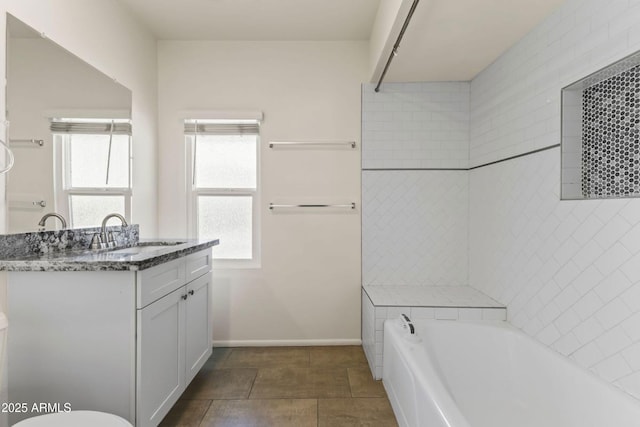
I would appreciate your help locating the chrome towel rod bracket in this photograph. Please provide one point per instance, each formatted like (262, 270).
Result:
(39, 142)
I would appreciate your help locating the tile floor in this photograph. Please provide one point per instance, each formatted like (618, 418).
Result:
(283, 386)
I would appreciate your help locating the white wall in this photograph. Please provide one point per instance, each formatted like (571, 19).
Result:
(415, 126)
(567, 270)
(43, 78)
(414, 227)
(308, 287)
(415, 151)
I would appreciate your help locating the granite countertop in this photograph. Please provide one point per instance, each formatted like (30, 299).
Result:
(128, 258)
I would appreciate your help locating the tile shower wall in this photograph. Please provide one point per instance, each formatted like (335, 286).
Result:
(414, 222)
(569, 271)
(414, 228)
(415, 125)
(611, 113)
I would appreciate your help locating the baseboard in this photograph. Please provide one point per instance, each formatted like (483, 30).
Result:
(283, 343)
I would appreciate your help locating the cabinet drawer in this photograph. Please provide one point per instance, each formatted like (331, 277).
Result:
(198, 264)
(158, 281)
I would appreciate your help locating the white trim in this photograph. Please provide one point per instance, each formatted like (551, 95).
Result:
(285, 343)
(220, 115)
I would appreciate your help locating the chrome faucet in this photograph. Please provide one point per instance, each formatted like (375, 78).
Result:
(102, 240)
(55, 215)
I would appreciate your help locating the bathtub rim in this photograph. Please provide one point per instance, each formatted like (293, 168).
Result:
(609, 392)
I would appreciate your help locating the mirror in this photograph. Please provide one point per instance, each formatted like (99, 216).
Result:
(45, 81)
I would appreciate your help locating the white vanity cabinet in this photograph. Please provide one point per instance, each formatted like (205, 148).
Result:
(174, 342)
(123, 342)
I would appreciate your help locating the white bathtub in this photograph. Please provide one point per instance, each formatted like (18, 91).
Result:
(485, 374)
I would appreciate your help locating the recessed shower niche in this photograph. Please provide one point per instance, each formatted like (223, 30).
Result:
(601, 133)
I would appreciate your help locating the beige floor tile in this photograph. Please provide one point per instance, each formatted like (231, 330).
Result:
(186, 413)
(301, 383)
(221, 384)
(218, 357)
(340, 356)
(363, 385)
(262, 413)
(261, 357)
(375, 412)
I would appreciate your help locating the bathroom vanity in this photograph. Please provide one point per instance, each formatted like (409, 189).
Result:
(121, 331)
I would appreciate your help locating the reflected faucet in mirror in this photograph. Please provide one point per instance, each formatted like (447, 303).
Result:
(55, 215)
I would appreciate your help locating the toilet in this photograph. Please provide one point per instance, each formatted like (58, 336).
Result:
(75, 419)
(59, 419)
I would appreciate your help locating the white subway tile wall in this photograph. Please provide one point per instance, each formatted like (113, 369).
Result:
(568, 271)
(414, 228)
(415, 125)
(568, 279)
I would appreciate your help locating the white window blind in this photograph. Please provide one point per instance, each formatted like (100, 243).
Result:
(91, 126)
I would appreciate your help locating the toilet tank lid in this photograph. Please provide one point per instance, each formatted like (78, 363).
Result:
(3, 321)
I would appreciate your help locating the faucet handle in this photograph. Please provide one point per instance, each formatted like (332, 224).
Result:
(96, 242)
(111, 241)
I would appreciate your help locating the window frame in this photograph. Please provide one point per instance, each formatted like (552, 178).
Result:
(194, 193)
(62, 182)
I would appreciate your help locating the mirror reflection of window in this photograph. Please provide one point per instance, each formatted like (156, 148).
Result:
(93, 169)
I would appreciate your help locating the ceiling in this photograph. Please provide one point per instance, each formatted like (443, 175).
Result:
(456, 39)
(257, 19)
(446, 39)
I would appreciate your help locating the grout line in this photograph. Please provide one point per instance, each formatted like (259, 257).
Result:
(538, 150)
(349, 381)
(252, 384)
(205, 413)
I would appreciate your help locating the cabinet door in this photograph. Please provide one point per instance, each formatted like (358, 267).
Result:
(160, 348)
(198, 325)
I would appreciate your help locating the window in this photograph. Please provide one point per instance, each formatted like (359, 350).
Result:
(93, 169)
(223, 176)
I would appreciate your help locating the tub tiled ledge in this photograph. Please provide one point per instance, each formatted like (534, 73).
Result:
(419, 302)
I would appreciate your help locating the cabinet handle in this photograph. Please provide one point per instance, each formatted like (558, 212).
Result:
(185, 296)
(191, 292)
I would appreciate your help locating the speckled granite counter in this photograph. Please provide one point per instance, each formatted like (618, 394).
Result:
(103, 260)
(67, 250)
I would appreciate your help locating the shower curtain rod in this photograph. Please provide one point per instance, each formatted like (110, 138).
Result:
(394, 51)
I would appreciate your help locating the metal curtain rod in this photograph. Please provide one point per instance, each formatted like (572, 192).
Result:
(394, 52)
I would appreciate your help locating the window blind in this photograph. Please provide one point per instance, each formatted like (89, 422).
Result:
(90, 127)
(244, 127)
